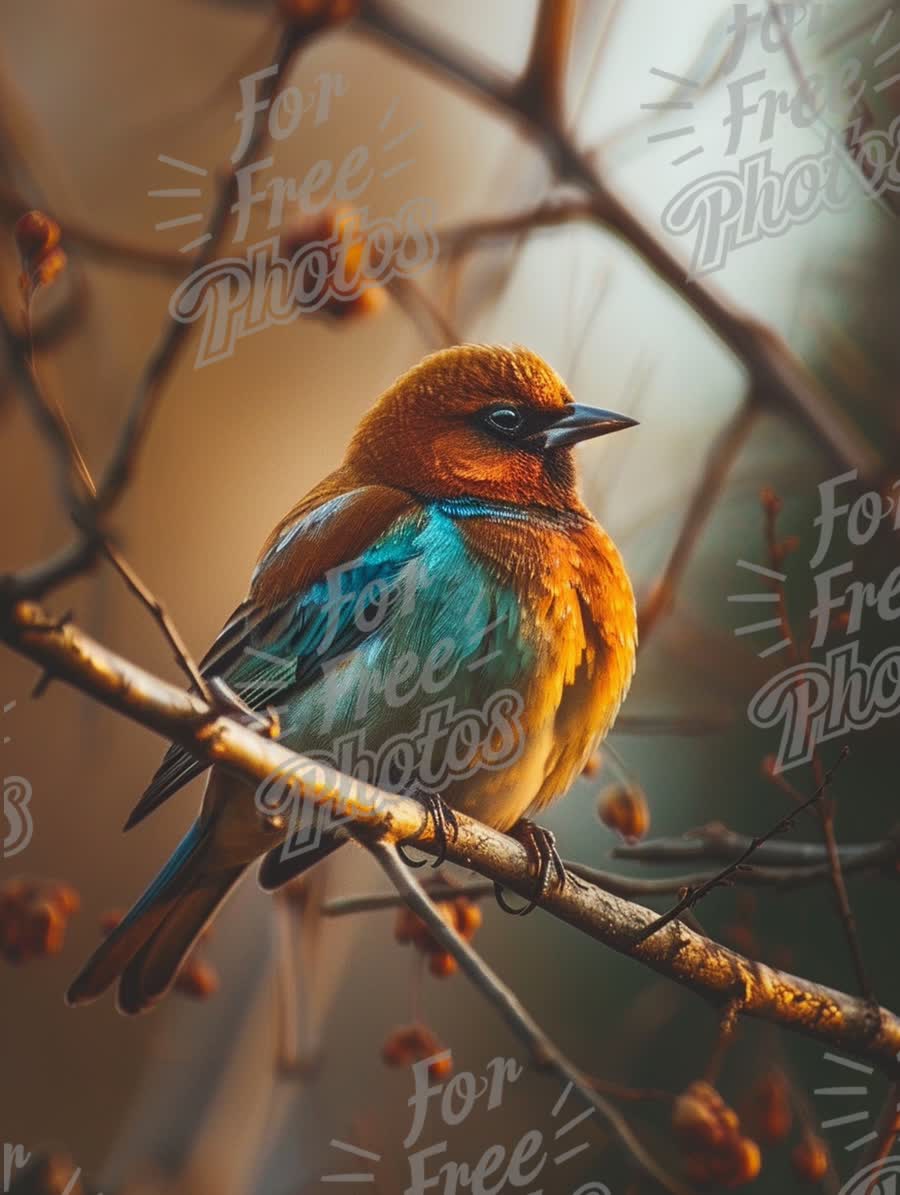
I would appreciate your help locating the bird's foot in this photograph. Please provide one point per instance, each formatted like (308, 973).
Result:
(446, 827)
(540, 845)
(233, 706)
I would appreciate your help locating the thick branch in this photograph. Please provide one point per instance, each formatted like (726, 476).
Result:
(705, 967)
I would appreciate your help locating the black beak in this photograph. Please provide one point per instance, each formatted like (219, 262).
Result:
(584, 423)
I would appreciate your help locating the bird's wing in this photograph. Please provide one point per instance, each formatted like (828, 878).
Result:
(290, 627)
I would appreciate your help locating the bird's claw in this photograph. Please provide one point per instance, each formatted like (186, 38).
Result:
(446, 827)
(541, 847)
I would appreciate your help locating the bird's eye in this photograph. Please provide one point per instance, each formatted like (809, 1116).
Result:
(508, 421)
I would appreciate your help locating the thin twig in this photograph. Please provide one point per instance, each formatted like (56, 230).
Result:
(80, 490)
(545, 1054)
(719, 462)
(825, 808)
(715, 843)
(98, 244)
(175, 334)
(845, 911)
(456, 240)
(161, 617)
(690, 899)
(779, 878)
(416, 302)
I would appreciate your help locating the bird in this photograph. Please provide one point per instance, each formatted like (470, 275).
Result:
(442, 616)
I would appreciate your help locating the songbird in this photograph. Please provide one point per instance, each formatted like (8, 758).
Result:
(442, 615)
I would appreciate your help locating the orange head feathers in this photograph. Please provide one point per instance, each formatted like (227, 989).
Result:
(478, 421)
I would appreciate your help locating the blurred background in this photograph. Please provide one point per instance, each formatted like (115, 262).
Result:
(190, 1098)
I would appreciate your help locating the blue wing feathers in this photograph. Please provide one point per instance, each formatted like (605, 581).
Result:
(420, 567)
(268, 657)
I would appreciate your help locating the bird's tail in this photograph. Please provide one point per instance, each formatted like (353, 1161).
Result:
(149, 945)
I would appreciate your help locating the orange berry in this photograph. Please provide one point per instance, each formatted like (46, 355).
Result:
(67, 898)
(197, 979)
(749, 1163)
(34, 915)
(461, 914)
(770, 500)
(368, 302)
(36, 233)
(441, 1068)
(313, 15)
(49, 928)
(810, 1159)
(770, 1107)
(353, 289)
(409, 1043)
(442, 965)
(393, 1051)
(709, 1132)
(407, 927)
(37, 239)
(468, 917)
(46, 270)
(696, 1114)
(109, 921)
(769, 766)
(623, 807)
(592, 765)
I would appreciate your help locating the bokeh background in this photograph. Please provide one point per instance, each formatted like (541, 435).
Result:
(188, 1099)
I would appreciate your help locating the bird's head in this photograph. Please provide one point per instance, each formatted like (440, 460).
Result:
(479, 421)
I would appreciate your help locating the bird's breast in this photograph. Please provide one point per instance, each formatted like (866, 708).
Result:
(486, 661)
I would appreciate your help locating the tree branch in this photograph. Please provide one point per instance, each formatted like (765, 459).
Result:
(776, 374)
(701, 965)
(715, 843)
(541, 90)
(120, 468)
(545, 1054)
(693, 896)
(719, 461)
